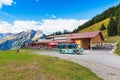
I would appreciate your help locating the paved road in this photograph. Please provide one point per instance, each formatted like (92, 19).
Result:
(99, 56)
(103, 57)
(101, 62)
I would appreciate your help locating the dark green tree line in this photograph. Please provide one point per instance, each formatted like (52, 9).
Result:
(112, 27)
(112, 11)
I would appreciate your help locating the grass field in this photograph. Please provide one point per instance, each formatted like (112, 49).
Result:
(118, 49)
(25, 66)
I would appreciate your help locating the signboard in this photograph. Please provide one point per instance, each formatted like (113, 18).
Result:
(53, 43)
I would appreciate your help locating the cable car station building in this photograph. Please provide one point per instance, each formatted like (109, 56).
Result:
(86, 40)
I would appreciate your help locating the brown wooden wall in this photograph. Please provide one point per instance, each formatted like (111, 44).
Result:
(96, 39)
(86, 43)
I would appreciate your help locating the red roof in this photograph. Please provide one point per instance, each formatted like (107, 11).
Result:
(79, 35)
(72, 36)
(86, 35)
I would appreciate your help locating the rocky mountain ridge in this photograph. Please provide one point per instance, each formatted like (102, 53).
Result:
(17, 40)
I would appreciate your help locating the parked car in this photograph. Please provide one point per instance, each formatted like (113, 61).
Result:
(69, 49)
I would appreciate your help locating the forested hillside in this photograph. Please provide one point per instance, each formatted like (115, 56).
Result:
(113, 12)
(108, 22)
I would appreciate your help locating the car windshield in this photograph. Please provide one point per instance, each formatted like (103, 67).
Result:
(61, 46)
(70, 46)
(65, 46)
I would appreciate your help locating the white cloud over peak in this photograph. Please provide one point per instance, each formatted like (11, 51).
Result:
(46, 25)
(5, 2)
(49, 25)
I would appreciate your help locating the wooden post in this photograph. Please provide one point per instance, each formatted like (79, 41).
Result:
(90, 44)
(101, 44)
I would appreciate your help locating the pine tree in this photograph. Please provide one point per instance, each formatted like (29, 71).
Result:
(75, 31)
(66, 32)
(112, 27)
(117, 15)
(118, 27)
(102, 27)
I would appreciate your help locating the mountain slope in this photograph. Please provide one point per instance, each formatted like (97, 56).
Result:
(20, 39)
(112, 11)
(4, 35)
(95, 23)
(96, 27)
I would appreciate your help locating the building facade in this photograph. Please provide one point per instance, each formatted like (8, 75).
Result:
(86, 40)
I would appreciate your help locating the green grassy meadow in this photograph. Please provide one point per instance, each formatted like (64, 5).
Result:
(118, 49)
(26, 66)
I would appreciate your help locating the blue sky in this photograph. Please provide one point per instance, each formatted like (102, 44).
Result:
(41, 10)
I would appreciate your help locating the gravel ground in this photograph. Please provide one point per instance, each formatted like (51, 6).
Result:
(101, 62)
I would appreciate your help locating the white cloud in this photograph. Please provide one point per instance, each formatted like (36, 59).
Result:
(46, 25)
(14, 3)
(5, 2)
(49, 25)
(53, 16)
